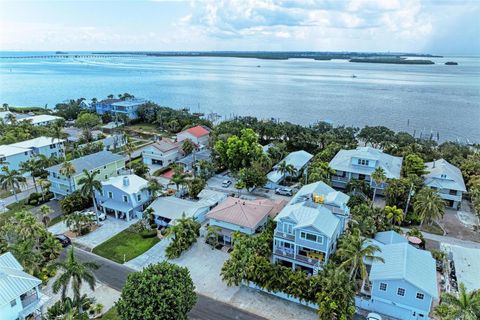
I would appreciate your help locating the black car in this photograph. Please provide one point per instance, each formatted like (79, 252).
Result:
(63, 239)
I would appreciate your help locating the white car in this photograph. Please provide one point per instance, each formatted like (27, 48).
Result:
(373, 316)
(226, 183)
(101, 215)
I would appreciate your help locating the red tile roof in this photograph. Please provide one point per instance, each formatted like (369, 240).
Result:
(198, 131)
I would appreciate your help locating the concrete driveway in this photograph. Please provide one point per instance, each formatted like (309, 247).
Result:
(107, 230)
(205, 265)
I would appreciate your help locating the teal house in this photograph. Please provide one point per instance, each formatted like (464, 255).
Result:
(404, 285)
(309, 226)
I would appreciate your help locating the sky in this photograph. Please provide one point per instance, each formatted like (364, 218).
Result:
(423, 26)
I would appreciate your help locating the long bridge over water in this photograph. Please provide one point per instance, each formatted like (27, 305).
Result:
(67, 56)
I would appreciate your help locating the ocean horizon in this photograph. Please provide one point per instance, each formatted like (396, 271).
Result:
(432, 99)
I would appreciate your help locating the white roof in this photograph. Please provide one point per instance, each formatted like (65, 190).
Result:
(173, 208)
(467, 266)
(332, 196)
(8, 150)
(36, 143)
(320, 218)
(453, 176)
(41, 118)
(13, 280)
(135, 183)
(211, 197)
(298, 159)
(343, 161)
(402, 261)
(4, 114)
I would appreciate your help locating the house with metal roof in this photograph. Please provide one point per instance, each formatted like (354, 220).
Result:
(16, 153)
(162, 153)
(109, 143)
(360, 163)
(169, 209)
(245, 216)
(298, 159)
(309, 226)
(190, 161)
(447, 180)
(198, 135)
(123, 196)
(108, 165)
(42, 119)
(117, 107)
(20, 295)
(404, 285)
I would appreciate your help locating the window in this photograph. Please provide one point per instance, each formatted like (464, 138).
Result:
(401, 292)
(13, 303)
(287, 228)
(106, 177)
(104, 167)
(443, 176)
(125, 199)
(110, 195)
(383, 286)
(453, 192)
(101, 192)
(139, 197)
(420, 296)
(311, 237)
(362, 162)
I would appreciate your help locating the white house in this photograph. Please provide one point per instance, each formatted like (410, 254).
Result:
(42, 119)
(298, 159)
(169, 209)
(198, 135)
(20, 295)
(16, 153)
(360, 163)
(161, 153)
(123, 196)
(447, 180)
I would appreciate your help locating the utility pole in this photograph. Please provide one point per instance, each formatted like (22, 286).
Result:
(410, 194)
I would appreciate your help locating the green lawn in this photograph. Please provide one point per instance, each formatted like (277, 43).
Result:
(55, 220)
(147, 127)
(126, 244)
(111, 314)
(434, 228)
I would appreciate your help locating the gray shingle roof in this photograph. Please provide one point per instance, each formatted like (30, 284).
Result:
(91, 161)
(13, 280)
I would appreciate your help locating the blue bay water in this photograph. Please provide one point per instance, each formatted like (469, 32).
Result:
(429, 98)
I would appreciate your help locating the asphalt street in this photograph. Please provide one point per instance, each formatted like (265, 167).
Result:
(115, 275)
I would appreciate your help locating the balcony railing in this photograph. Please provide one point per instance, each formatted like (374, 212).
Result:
(29, 299)
(284, 235)
(307, 260)
(285, 252)
(338, 178)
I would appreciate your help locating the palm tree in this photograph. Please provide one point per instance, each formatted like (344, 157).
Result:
(320, 171)
(212, 235)
(428, 205)
(75, 221)
(286, 169)
(129, 150)
(89, 186)
(179, 177)
(394, 214)
(45, 211)
(155, 187)
(68, 170)
(12, 180)
(354, 249)
(30, 166)
(465, 306)
(379, 177)
(74, 272)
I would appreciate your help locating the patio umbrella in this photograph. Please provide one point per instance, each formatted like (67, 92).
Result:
(414, 240)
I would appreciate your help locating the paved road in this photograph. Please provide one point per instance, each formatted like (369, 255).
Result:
(115, 275)
(449, 240)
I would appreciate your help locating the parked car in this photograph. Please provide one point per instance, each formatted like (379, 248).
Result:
(284, 191)
(63, 239)
(101, 216)
(226, 183)
(373, 316)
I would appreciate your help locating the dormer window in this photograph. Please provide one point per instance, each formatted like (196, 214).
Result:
(363, 162)
(443, 176)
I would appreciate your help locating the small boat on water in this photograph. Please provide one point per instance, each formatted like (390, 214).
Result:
(354, 76)
(258, 66)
